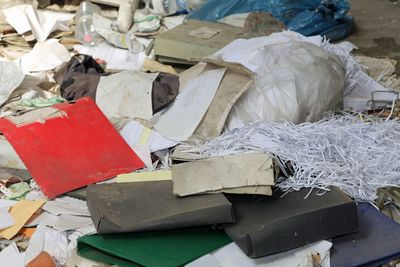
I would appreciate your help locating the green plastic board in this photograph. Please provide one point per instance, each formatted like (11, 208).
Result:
(152, 249)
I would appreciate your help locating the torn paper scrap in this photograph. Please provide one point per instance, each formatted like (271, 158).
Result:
(11, 76)
(181, 154)
(115, 58)
(67, 205)
(134, 133)
(5, 218)
(155, 66)
(21, 212)
(44, 219)
(143, 152)
(70, 222)
(24, 18)
(11, 257)
(128, 40)
(180, 120)
(49, 240)
(234, 84)
(232, 256)
(219, 173)
(161, 175)
(45, 56)
(39, 115)
(126, 94)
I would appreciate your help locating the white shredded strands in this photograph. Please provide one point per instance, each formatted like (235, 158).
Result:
(354, 155)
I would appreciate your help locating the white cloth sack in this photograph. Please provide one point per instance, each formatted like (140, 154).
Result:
(296, 81)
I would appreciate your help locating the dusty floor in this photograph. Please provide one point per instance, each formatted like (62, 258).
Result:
(377, 32)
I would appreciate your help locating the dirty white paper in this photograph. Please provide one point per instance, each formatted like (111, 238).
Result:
(126, 94)
(6, 220)
(116, 58)
(11, 257)
(8, 156)
(24, 18)
(49, 240)
(180, 120)
(44, 219)
(45, 56)
(70, 222)
(128, 40)
(219, 173)
(134, 133)
(231, 256)
(67, 205)
(11, 76)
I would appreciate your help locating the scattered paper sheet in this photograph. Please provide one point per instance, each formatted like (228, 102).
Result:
(232, 256)
(143, 152)
(70, 222)
(21, 212)
(24, 18)
(155, 66)
(44, 219)
(180, 120)
(67, 205)
(126, 94)
(5, 218)
(173, 21)
(181, 154)
(49, 240)
(161, 175)
(219, 173)
(8, 157)
(235, 83)
(104, 27)
(134, 133)
(116, 58)
(45, 56)
(11, 257)
(11, 76)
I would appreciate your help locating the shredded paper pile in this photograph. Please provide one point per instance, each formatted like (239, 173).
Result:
(355, 155)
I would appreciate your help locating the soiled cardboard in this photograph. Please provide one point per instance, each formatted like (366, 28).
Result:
(21, 212)
(241, 173)
(269, 225)
(193, 39)
(148, 206)
(236, 81)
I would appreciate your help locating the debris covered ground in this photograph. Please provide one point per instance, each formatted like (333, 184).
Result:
(198, 133)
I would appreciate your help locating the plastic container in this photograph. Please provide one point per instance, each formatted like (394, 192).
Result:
(85, 32)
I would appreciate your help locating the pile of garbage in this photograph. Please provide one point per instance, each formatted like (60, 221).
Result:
(194, 133)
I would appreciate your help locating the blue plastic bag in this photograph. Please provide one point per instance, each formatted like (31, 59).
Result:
(308, 17)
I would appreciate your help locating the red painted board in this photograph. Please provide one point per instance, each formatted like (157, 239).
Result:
(70, 152)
